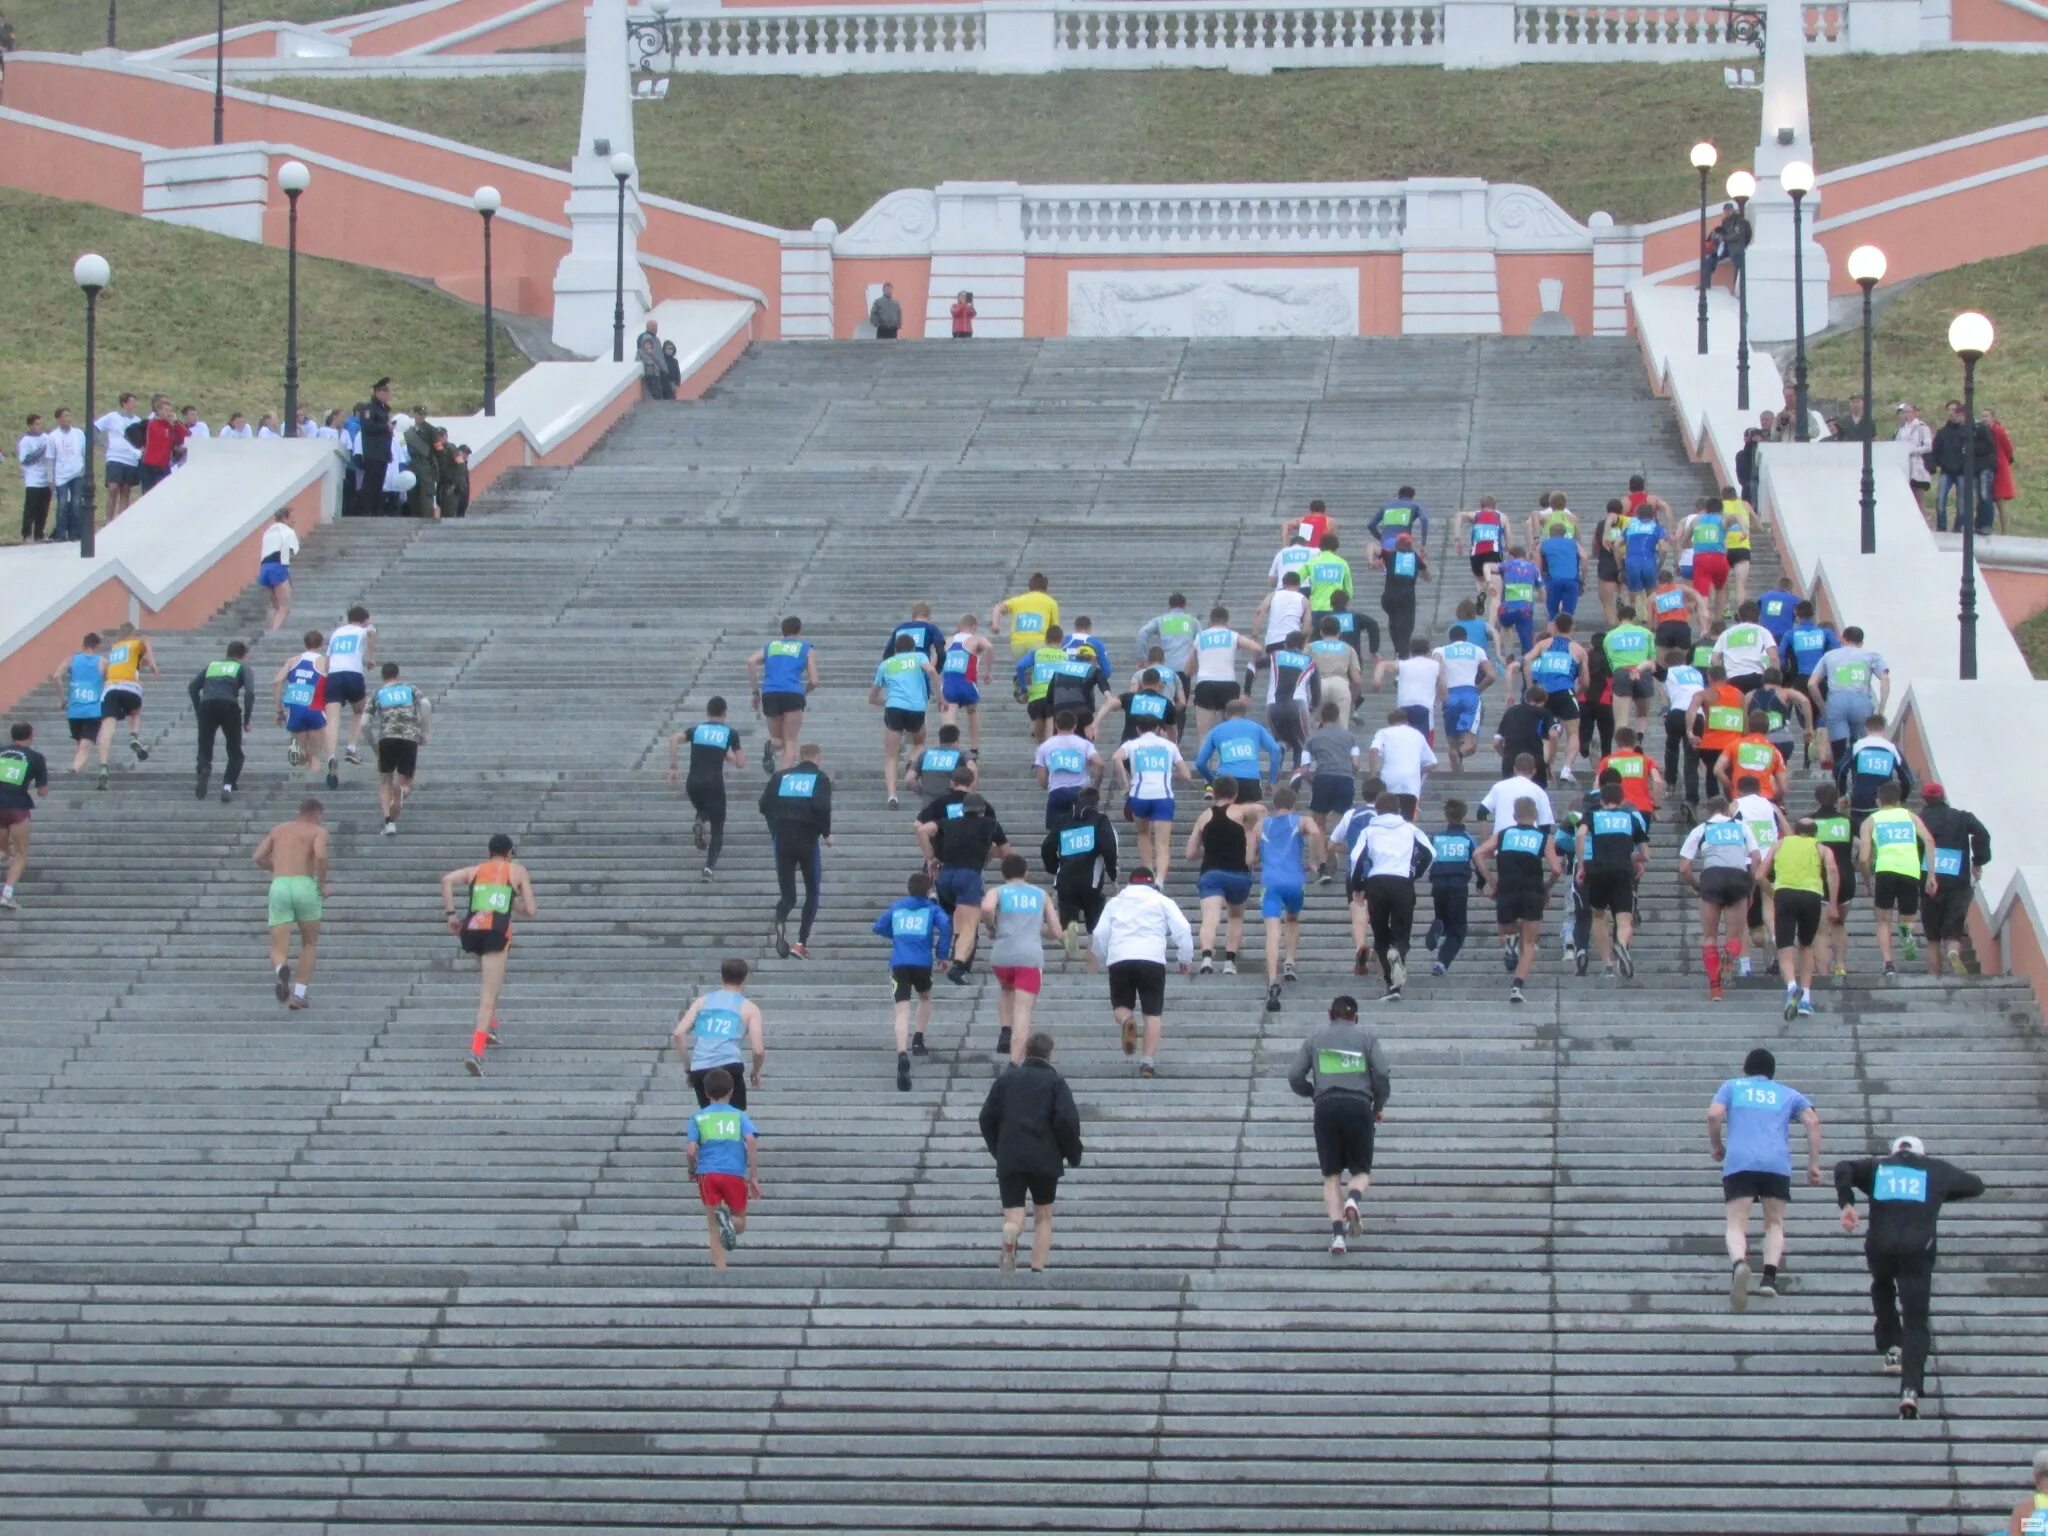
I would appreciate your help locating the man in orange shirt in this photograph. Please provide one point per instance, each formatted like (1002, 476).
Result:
(1715, 719)
(1753, 753)
(1642, 782)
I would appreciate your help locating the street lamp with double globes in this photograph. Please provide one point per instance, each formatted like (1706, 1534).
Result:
(1741, 188)
(1866, 266)
(487, 203)
(1969, 337)
(294, 178)
(92, 274)
(1797, 180)
(622, 169)
(1703, 157)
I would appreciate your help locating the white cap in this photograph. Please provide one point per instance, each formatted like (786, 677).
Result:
(1912, 1144)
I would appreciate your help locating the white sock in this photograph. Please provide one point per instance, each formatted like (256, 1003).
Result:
(298, 989)
(6, 890)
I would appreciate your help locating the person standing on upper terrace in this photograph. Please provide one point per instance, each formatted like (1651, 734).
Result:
(885, 314)
(653, 366)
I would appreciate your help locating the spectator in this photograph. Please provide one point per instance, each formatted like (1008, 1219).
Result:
(1856, 427)
(67, 477)
(653, 371)
(334, 427)
(267, 425)
(2004, 487)
(238, 427)
(1785, 426)
(455, 486)
(1748, 464)
(671, 369)
(419, 458)
(124, 456)
(374, 458)
(34, 452)
(885, 314)
(1729, 242)
(444, 467)
(194, 427)
(963, 316)
(1033, 1130)
(163, 440)
(1918, 438)
(1946, 458)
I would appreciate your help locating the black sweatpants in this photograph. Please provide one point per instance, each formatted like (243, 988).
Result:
(1390, 906)
(1901, 1296)
(1449, 926)
(1399, 607)
(224, 716)
(1596, 720)
(794, 853)
(708, 800)
(35, 511)
(1680, 754)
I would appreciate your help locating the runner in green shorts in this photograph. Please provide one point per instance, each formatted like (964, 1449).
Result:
(295, 853)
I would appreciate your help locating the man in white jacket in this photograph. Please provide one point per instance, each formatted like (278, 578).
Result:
(1130, 941)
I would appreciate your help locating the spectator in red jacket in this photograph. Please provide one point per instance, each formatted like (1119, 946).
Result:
(163, 439)
(963, 316)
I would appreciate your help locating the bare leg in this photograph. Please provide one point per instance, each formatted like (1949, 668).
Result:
(1774, 1233)
(717, 1243)
(902, 1027)
(17, 858)
(280, 944)
(892, 747)
(1532, 940)
(309, 950)
(1737, 1233)
(1155, 1026)
(1212, 912)
(973, 727)
(924, 1011)
(1041, 1237)
(792, 736)
(1021, 1004)
(1233, 933)
(1272, 950)
(491, 971)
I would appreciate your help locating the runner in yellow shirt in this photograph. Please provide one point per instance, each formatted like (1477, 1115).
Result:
(1740, 518)
(121, 696)
(1027, 616)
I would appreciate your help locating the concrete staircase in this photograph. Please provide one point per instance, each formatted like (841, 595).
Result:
(299, 1273)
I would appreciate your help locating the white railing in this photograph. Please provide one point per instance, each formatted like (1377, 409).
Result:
(1196, 219)
(830, 39)
(1095, 35)
(1585, 32)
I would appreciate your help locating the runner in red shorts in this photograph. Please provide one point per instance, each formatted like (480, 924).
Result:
(1022, 918)
(721, 1159)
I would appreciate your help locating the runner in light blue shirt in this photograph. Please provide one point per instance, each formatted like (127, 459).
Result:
(1746, 1127)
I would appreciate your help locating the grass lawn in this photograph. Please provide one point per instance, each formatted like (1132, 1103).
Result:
(202, 318)
(2033, 639)
(1613, 137)
(72, 26)
(1912, 362)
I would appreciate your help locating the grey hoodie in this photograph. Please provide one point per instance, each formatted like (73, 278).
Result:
(1343, 1057)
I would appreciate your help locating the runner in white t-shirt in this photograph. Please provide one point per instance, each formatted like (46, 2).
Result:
(1216, 678)
(1401, 756)
(351, 651)
(1418, 684)
(274, 569)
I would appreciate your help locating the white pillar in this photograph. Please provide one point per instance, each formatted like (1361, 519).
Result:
(584, 282)
(979, 247)
(1786, 134)
(1450, 282)
(1478, 34)
(1018, 39)
(807, 282)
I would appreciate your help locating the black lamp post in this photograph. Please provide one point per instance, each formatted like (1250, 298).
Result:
(293, 177)
(110, 22)
(622, 169)
(1969, 337)
(92, 274)
(220, 67)
(487, 203)
(1741, 188)
(1866, 266)
(1703, 157)
(1797, 180)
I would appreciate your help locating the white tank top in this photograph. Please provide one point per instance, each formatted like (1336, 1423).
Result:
(345, 647)
(1216, 656)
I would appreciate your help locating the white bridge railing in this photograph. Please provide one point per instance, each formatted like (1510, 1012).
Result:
(1189, 220)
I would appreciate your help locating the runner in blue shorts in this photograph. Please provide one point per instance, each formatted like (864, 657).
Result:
(1147, 765)
(1221, 839)
(1287, 841)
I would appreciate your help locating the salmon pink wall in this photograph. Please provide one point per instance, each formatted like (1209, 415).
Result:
(1999, 218)
(559, 24)
(1045, 283)
(403, 32)
(912, 276)
(2020, 594)
(250, 45)
(215, 586)
(36, 661)
(1987, 21)
(36, 159)
(1520, 303)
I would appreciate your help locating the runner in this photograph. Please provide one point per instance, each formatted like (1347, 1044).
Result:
(1520, 862)
(299, 691)
(1872, 761)
(497, 887)
(1293, 693)
(84, 680)
(274, 570)
(719, 1149)
(1342, 1068)
(1400, 518)
(1174, 633)
(1777, 611)
(1683, 682)
(1724, 851)
(968, 655)
(1292, 556)
(1418, 685)
(1032, 1129)
(797, 805)
(1831, 827)
(1466, 671)
(1019, 917)
(712, 744)
(1028, 616)
(1360, 631)
(925, 636)
(1340, 675)
(1739, 517)
(1328, 573)
(1558, 557)
(904, 687)
(1752, 755)
(1676, 613)
(1450, 887)
(1033, 677)
(1788, 716)
(1130, 941)
(1527, 730)
(1083, 644)
(1606, 545)
(1147, 707)
(1404, 564)
(1551, 507)
(1078, 684)
(1631, 655)
(351, 651)
(936, 763)
(1850, 685)
(1386, 854)
(1746, 650)
(1517, 612)
(1066, 762)
(1284, 612)
(713, 1026)
(399, 716)
(1556, 665)
(1330, 759)
(783, 674)
(1613, 851)
(1216, 685)
(1223, 838)
(1644, 532)
(1286, 842)
(1400, 757)
(1311, 526)
(1907, 1190)
(2030, 1515)
(121, 697)
(1746, 1126)
(920, 934)
(223, 698)
(1706, 533)
(1897, 851)
(1805, 891)
(1498, 806)
(295, 853)
(1595, 693)
(1081, 858)
(1484, 533)
(1642, 785)
(1805, 643)
(24, 778)
(958, 833)
(1714, 720)
(1962, 847)
(1240, 748)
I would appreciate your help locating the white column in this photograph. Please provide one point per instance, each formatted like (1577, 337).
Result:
(1019, 37)
(1884, 26)
(1786, 134)
(1450, 282)
(979, 247)
(584, 282)
(1617, 262)
(807, 283)
(1479, 34)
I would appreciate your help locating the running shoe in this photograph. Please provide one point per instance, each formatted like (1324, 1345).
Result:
(1805, 1007)
(1894, 1361)
(1767, 1285)
(1511, 954)
(1070, 939)
(917, 1046)
(1362, 964)
(728, 1234)
(102, 784)
(1230, 967)
(1273, 998)
(1841, 970)
(199, 789)
(1909, 1404)
(1147, 1070)
(1351, 1211)
(1287, 970)
(294, 755)
(1391, 995)
(1325, 877)
(1129, 1029)
(1891, 972)
(1955, 963)
(391, 829)
(1206, 968)
(1564, 776)
(707, 871)
(1911, 952)
(1738, 1288)
(1625, 960)
(333, 778)
(353, 756)
(1336, 1245)
(799, 951)
(491, 1032)
(1714, 992)
(1438, 968)
(1791, 1004)
(8, 903)
(903, 1071)
(1743, 969)
(284, 983)
(1003, 1041)
(956, 973)
(781, 941)
(1581, 961)
(1008, 1262)
(141, 752)
(892, 802)
(1515, 993)
(227, 794)
(701, 834)
(474, 1065)
(298, 1004)
(1397, 971)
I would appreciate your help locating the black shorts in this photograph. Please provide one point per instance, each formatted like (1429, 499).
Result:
(774, 705)
(1139, 985)
(1212, 695)
(484, 941)
(735, 1071)
(1012, 1184)
(1756, 1186)
(120, 703)
(1798, 917)
(85, 730)
(124, 474)
(1896, 893)
(1343, 1134)
(1562, 706)
(1607, 889)
(1083, 907)
(1039, 709)
(903, 720)
(1845, 870)
(1747, 684)
(1726, 887)
(346, 688)
(909, 979)
(399, 757)
(1737, 557)
(1674, 634)
(1519, 904)
(1946, 913)
(1480, 563)
(1331, 795)
(1605, 566)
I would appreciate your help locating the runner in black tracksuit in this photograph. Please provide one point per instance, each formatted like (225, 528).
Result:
(1080, 855)
(798, 805)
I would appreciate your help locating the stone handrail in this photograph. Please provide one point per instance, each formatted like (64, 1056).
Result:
(1362, 217)
(1197, 31)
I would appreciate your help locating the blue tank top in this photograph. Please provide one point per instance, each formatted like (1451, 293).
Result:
(1561, 557)
(783, 671)
(301, 685)
(82, 693)
(1555, 668)
(1517, 585)
(715, 1036)
(1280, 851)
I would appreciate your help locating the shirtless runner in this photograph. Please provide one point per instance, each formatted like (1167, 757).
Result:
(295, 853)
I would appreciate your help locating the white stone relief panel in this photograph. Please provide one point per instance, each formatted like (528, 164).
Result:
(1271, 301)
